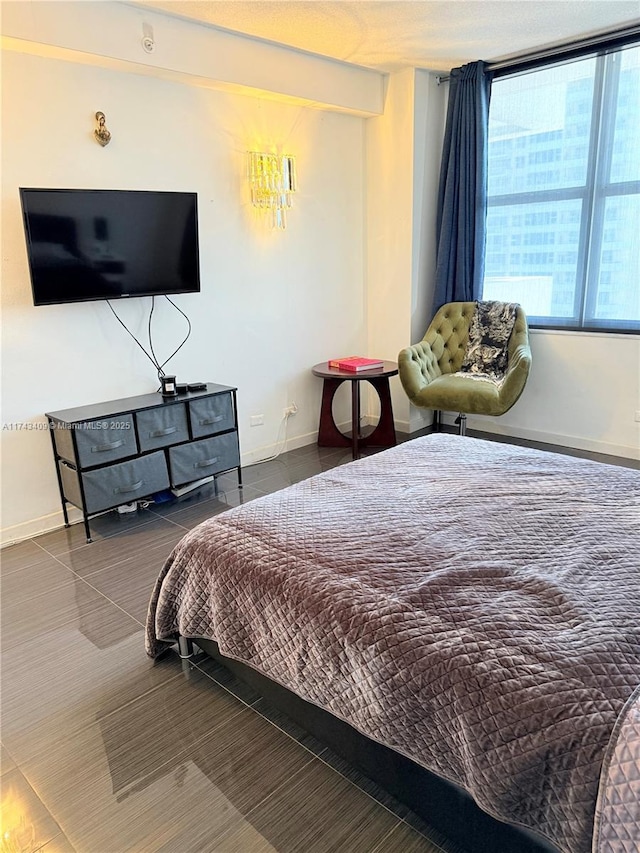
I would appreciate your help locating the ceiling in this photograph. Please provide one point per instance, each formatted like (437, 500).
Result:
(392, 34)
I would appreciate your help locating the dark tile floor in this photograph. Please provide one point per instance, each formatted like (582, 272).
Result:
(104, 751)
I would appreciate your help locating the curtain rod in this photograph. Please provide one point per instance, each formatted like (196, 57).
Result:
(610, 37)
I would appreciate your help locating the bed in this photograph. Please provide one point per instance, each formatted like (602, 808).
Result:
(469, 608)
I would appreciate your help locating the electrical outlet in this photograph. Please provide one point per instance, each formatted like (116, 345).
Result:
(256, 420)
(290, 410)
(637, 418)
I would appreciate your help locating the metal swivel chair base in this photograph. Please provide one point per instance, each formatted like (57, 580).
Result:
(460, 422)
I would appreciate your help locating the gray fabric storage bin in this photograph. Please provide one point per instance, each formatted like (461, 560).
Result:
(119, 451)
(211, 415)
(70, 484)
(125, 482)
(202, 458)
(63, 439)
(104, 440)
(162, 426)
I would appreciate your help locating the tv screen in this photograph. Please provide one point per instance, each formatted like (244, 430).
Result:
(108, 244)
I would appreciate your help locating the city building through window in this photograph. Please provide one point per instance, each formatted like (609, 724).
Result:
(563, 214)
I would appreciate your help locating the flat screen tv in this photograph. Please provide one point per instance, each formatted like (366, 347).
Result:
(108, 244)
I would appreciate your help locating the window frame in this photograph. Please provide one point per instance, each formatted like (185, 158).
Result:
(597, 188)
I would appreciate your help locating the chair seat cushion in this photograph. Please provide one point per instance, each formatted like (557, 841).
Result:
(459, 392)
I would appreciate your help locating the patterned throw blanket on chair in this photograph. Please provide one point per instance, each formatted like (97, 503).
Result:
(486, 354)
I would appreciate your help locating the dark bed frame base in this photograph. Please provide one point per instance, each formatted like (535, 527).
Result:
(442, 805)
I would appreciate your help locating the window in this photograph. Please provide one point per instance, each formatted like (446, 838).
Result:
(564, 180)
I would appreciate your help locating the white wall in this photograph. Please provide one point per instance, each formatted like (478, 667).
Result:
(389, 211)
(353, 272)
(429, 112)
(583, 391)
(110, 34)
(272, 303)
(403, 161)
(584, 388)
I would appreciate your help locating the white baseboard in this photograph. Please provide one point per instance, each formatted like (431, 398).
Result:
(267, 451)
(54, 521)
(403, 426)
(569, 441)
(45, 524)
(370, 420)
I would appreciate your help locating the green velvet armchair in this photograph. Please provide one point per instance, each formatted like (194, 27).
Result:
(430, 370)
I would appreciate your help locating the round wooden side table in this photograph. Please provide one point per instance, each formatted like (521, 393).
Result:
(384, 434)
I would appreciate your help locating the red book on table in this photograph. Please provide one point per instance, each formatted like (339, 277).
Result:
(355, 363)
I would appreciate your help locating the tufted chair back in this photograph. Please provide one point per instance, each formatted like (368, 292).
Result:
(441, 350)
(448, 334)
(430, 370)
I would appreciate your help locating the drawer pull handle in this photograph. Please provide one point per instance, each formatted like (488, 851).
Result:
(206, 462)
(131, 488)
(209, 421)
(110, 445)
(159, 432)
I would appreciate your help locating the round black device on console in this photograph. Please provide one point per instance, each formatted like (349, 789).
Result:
(168, 386)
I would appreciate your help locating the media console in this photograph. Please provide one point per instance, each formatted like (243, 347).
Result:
(113, 453)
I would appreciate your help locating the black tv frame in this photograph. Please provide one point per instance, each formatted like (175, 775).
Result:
(28, 216)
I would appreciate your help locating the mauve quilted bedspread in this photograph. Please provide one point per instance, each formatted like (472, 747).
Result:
(474, 605)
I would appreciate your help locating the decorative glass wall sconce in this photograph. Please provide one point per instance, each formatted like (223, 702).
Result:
(272, 178)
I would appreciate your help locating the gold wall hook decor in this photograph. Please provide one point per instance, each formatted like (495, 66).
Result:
(101, 133)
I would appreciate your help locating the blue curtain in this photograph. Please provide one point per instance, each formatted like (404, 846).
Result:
(462, 195)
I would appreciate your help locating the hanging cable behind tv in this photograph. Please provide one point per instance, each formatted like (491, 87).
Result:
(168, 385)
